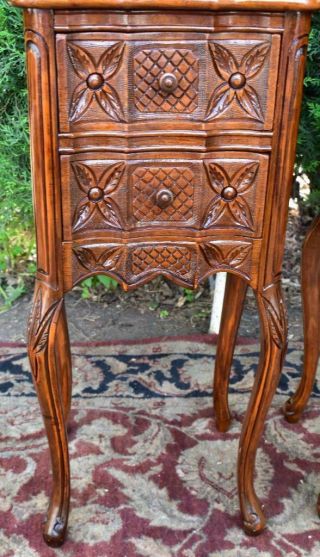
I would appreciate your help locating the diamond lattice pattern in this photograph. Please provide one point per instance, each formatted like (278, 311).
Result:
(173, 258)
(148, 181)
(150, 65)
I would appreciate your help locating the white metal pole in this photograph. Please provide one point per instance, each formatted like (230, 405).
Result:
(217, 303)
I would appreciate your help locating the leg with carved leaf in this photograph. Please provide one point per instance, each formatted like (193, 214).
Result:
(310, 285)
(235, 293)
(64, 361)
(273, 340)
(47, 364)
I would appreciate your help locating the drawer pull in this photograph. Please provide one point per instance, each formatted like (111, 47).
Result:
(164, 198)
(229, 193)
(95, 81)
(237, 80)
(168, 82)
(95, 194)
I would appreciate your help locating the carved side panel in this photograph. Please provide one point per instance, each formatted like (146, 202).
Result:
(243, 82)
(44, 161)
(292, 75)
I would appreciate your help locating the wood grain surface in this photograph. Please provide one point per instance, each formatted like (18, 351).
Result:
(163, 142)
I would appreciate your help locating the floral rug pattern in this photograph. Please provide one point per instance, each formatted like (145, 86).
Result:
(151, 476)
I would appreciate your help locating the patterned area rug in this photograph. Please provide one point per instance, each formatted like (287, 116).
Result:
(151, 477)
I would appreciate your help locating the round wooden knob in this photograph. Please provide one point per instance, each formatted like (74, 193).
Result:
(168, 82)
(95, 80)
(229, 193)
(95, 194)
(164, 198)
(237, 80)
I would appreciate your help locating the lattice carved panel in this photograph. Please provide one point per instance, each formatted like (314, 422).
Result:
(148, 183)
(176, 260)
(150, 65)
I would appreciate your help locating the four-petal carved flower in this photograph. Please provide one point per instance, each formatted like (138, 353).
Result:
(229, 194)
(97, 194)
(235, 77)
(95, 81)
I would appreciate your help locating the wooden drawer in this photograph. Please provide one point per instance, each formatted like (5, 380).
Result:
(109, 80)
(187, 262)
(219, 191)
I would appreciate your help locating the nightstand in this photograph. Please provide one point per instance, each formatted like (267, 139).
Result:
(163, 141)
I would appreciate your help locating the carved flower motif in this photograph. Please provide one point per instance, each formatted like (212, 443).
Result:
(105, 261)
(236, 77)
(94, 81)
(218, 255)
(97, 194)
(230, 194)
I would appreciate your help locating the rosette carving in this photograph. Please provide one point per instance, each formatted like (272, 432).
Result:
(98, 191)
(236, 78)
(230, 194)
(94, 83)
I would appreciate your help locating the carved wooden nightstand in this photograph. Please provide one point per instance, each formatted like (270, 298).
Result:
(163, 140)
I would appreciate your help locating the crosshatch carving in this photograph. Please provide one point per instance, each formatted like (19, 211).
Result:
(166, 80)
(169, 258)
(148, 183)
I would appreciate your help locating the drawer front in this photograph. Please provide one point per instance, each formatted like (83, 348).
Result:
(185, 262)
(105, 195)
(106, 80)
(165, 79)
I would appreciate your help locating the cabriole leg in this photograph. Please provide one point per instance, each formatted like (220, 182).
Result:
(273, 346)
(46, 342)
(234, 297)
(310, 286)
(64, 362)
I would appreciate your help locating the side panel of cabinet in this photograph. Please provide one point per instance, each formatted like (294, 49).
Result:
(40, 49)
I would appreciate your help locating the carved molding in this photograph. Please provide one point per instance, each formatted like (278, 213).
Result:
(236, 80)
(94, 84)
(98, 191)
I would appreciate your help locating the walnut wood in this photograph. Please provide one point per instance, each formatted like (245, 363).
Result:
(273, 346)
(311, 323)
(134, 178)
(260, 5)
(234, 297)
